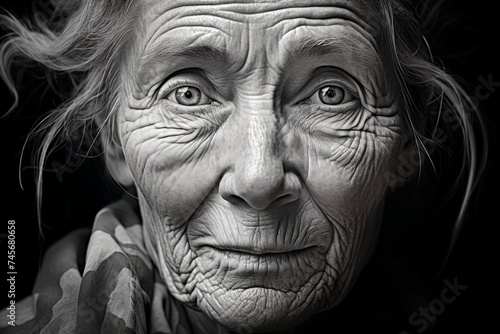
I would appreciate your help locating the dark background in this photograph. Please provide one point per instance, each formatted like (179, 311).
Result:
(467, 44)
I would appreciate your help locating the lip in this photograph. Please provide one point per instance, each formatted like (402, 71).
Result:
(271, 252)
(266, 267)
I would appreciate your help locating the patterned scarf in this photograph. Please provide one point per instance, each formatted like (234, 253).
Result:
(105, 284)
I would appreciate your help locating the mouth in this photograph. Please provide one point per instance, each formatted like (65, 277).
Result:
(261, 253)
(244, 267)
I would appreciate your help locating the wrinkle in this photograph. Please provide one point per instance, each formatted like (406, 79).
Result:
(180, 158)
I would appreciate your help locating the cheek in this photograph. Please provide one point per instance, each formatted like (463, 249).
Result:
(171, 161)
(348, 155)
(346, 178)
(349, 176)
(174, 167)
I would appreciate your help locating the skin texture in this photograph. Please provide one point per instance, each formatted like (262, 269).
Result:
(261, 202)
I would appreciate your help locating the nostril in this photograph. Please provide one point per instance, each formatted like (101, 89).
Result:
(261, 197)
(236, 200)
(258, 200)
(284, 199)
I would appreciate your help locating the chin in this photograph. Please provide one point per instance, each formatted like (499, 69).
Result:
(259, 310)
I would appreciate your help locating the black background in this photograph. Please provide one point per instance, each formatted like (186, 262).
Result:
(468, 47)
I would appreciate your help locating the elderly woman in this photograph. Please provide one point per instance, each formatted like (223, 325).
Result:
(256, 142)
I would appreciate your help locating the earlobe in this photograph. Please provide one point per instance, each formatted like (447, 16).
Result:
(117, 166)
(113, 153)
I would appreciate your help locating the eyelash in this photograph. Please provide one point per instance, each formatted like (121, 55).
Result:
(175, 85)
(318, 84)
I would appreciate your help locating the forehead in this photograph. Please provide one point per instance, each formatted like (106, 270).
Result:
(247, 32)
(255, 8)
(263, 17)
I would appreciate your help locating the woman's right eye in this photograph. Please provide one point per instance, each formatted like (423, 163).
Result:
(189, 96)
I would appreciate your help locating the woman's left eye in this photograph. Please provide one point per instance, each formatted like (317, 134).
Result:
(189, 96)
(330, 95)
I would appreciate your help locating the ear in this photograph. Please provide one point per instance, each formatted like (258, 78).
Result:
(117, 165)
(113, 154)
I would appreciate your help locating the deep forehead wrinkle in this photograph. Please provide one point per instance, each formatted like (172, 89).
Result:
(257, 13)
(207, 18)
(316, 8)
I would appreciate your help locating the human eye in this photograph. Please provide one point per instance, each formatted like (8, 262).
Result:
(331, 95)
(329, 89)
(189, 96)
(187, 91)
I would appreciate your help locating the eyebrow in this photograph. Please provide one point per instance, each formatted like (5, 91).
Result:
(162, 53)
(327, 46)
(205, 52)
(310, 48)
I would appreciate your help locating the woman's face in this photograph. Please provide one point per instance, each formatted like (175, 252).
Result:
(259, 135)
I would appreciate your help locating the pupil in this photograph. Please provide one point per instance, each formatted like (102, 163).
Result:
(331, 95)
(188, 94)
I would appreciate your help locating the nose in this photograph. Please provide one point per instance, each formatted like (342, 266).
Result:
(258, 177)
